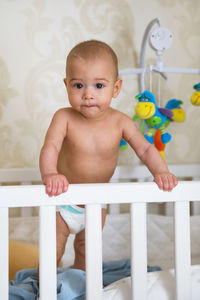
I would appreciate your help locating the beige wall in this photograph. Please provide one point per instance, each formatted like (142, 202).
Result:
(35, 38)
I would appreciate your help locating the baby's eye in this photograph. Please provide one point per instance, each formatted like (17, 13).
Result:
(78, 85)
(99, 85)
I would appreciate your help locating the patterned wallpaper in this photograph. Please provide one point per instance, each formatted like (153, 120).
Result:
(36, 36)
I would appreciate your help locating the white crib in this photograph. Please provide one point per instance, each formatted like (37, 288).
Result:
(138, 194)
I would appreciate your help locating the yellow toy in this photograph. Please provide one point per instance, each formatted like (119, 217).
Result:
(195, 98)
(22, 255)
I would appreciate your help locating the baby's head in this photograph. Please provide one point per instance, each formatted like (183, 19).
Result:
(92, 78)
(93, 50)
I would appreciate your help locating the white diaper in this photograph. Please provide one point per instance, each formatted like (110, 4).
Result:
(74, 217)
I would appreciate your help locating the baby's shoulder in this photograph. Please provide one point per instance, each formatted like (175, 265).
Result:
(61, 117)
(120, 116)
(123, 121)
(63, 113)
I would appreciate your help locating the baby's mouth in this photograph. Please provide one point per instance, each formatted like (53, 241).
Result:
(88, 106)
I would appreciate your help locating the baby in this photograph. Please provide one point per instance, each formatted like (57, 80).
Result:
(82, 142)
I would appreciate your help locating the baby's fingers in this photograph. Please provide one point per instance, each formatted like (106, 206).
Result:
(162, 182)
(175, 181)
(166, 182)
(172, 181)
(65, 185)
(56, 184)
(62, 186)
(159, 182)
(49, 187)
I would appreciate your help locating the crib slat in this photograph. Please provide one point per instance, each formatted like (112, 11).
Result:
(93, 252)
(4, 253)
(114, 209)
(48, 278)
(169, 209)
(196, 208)
(182, 251)
(138, 251)
(26, 211)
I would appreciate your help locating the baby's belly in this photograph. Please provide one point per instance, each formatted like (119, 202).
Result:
(87, 171)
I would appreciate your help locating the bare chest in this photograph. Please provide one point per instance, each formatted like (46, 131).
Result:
(100, 139)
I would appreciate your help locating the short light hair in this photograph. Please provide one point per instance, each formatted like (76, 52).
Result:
(93, 49)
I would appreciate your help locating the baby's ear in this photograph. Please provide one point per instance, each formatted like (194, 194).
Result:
(65, 81)
(117, 87)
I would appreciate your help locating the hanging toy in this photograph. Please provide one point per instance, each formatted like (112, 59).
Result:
(178, 113)
(123, 145)
(195, 98)
(178, 116)
(154, 116)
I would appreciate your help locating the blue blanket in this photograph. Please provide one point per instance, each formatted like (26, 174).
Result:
(70, 282)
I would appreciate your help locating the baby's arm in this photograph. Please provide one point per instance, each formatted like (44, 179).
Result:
(55, 183)
(153, 160)
(149, 156)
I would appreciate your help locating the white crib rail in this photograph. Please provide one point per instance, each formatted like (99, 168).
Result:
(125, 173)
(137, 193)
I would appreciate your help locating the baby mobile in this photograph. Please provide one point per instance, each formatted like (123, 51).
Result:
(156, 119)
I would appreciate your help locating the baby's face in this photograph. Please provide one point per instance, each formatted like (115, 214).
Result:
(91, 85)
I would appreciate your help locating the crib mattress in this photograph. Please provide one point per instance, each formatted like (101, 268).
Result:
(160, 285)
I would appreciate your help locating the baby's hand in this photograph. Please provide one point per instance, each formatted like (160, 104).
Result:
(56, 184)
(166, 181)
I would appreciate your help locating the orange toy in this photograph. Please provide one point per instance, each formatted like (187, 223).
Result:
(158, 143)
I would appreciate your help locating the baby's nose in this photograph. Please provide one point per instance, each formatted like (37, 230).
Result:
(88, 94)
